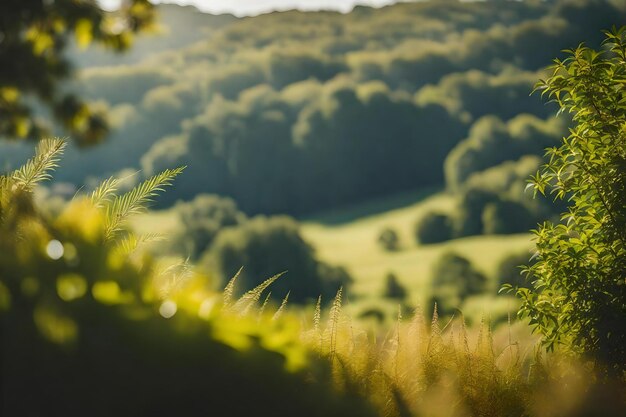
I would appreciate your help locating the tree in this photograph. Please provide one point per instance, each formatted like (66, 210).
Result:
(454, 279)
(265, 246)
(433, 227)
(393, 287)
(389, 239)
(578, 297)
(34, 35)
(202, 219)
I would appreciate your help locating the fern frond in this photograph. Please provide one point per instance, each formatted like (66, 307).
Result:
(335, 311)
(317, 315)
(247, 300)
(280, 310)
(132, 242)
(37, 169)
(174, 276)
(104, 191)
(230, 288)
(136, 200)
(264, 305)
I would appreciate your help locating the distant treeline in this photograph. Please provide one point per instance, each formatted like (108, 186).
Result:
(296, 112)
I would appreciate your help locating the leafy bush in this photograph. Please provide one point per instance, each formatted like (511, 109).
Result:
(265, 246)
(510, 270)
(389, 239)
(202, 219)
(393, 287)
(433, 227)
(578, 298)
(453, 279)
(468, 220)
(505, 217)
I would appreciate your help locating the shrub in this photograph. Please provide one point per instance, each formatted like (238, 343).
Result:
(433, 227)
(265, 246)
(389, 239)
(578, 299)
(505, 217)
(509, 270)
(393, 287)
(468, 219)
(453, 279)
(202, 219)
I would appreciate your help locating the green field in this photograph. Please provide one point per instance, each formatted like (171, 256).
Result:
(348, 238)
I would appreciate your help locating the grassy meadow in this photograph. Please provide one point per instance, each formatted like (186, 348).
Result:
(348, 237)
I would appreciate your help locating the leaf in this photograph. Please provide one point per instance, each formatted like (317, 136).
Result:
(37, 169)
(136, 200)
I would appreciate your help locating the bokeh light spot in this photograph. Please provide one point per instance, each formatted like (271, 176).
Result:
(55, 249)
(168, 309)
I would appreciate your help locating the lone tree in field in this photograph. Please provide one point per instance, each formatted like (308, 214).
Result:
(578, 297)
(33, 39)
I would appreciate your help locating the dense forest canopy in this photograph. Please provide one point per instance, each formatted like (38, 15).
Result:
(269, 110)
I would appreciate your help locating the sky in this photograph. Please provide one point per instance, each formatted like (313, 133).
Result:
(254, 7)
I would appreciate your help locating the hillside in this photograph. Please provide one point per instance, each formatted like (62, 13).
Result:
(269, 110)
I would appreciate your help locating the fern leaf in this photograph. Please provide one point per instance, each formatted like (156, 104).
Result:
(335, 311)
(317, 316)
(230, 288)
(104, 191)
(247, 300)
(264, 305)
(280, 310)
(37, 169)
(174, 277)
(136, 200)
(132, 242)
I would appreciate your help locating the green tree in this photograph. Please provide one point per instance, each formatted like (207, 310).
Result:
(34, 35)
(433, 227)
(389, 239)
(454, 278)
(264, 246)
(578, 298)
(394, 288)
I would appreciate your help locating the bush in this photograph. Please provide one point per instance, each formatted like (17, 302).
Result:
(389, 239)
(505, 217)
(393, 287)
(454, 279)
(468, 220)
(509, 270)
(202, 219)
(433, 227)
(265, 246)
(579, 296)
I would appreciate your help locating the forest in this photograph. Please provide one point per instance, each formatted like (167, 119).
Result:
(412, 210)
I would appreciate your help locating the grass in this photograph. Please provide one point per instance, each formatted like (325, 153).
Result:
(354, 245)
(348, 237)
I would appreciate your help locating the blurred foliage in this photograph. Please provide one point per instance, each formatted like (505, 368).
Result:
(425, 369)
(202, 219)
(433, 227)
(454, 278)
(393, 287)
(34, 36)
(389, 239)
(578, 296)
(267, 245)
(95, 326)
(510, 270)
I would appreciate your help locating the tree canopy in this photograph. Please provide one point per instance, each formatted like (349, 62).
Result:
(34, 37)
